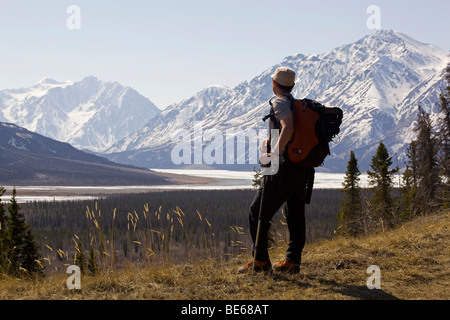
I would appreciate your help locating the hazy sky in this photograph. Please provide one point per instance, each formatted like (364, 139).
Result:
(169, 50)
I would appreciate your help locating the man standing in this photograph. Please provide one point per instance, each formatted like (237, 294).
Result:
(291, 185)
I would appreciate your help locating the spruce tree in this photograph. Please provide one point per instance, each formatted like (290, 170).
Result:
(31, 257)
(92, 263)
(410, 181)
(408, 191)
(413, 161)
(444, 139)
(350, 208)
(16, 235)
(22, 252)
(427, 170)
(381, 179)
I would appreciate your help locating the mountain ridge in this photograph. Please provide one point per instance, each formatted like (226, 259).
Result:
(378, 80)
(89, 114)
(369, 79)
(28, 158)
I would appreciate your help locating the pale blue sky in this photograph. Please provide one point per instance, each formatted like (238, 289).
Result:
(169, 50)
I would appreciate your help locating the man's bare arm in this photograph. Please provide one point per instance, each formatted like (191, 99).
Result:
(287, 130)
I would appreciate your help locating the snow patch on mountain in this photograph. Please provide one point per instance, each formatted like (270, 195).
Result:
(378, 81)
(90, 114)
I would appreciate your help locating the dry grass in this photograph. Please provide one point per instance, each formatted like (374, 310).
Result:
(414, 261)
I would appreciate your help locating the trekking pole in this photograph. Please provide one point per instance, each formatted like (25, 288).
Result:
(258, 228)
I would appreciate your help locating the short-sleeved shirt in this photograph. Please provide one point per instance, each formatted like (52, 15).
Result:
(282, 108)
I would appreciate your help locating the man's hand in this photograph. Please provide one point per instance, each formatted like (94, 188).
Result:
(265, 158)
(264, 144)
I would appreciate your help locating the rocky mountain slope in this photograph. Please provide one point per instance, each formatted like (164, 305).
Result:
(378, 81)
(27, 158)
(89, 114)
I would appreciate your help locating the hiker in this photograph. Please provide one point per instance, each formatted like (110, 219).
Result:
(291, 186)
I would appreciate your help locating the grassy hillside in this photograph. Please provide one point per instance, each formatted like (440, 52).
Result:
(414, 260)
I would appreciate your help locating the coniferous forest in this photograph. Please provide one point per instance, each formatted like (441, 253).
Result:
(162, 226)
(425, 185)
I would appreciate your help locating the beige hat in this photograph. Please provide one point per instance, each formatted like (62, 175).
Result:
(284, 76)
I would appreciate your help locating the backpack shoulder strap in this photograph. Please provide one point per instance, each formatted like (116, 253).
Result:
(292, 99)
(271, 115)
(272, 112)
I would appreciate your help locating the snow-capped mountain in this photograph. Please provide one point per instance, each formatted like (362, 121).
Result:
(378, 81)
(89, 114)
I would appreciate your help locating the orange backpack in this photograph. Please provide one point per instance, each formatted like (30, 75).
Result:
(314, 127)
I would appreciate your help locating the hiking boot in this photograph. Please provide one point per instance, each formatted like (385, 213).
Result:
(285, 266)
(260, 266)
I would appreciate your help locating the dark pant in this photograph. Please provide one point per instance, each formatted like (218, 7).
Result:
(290, 187)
